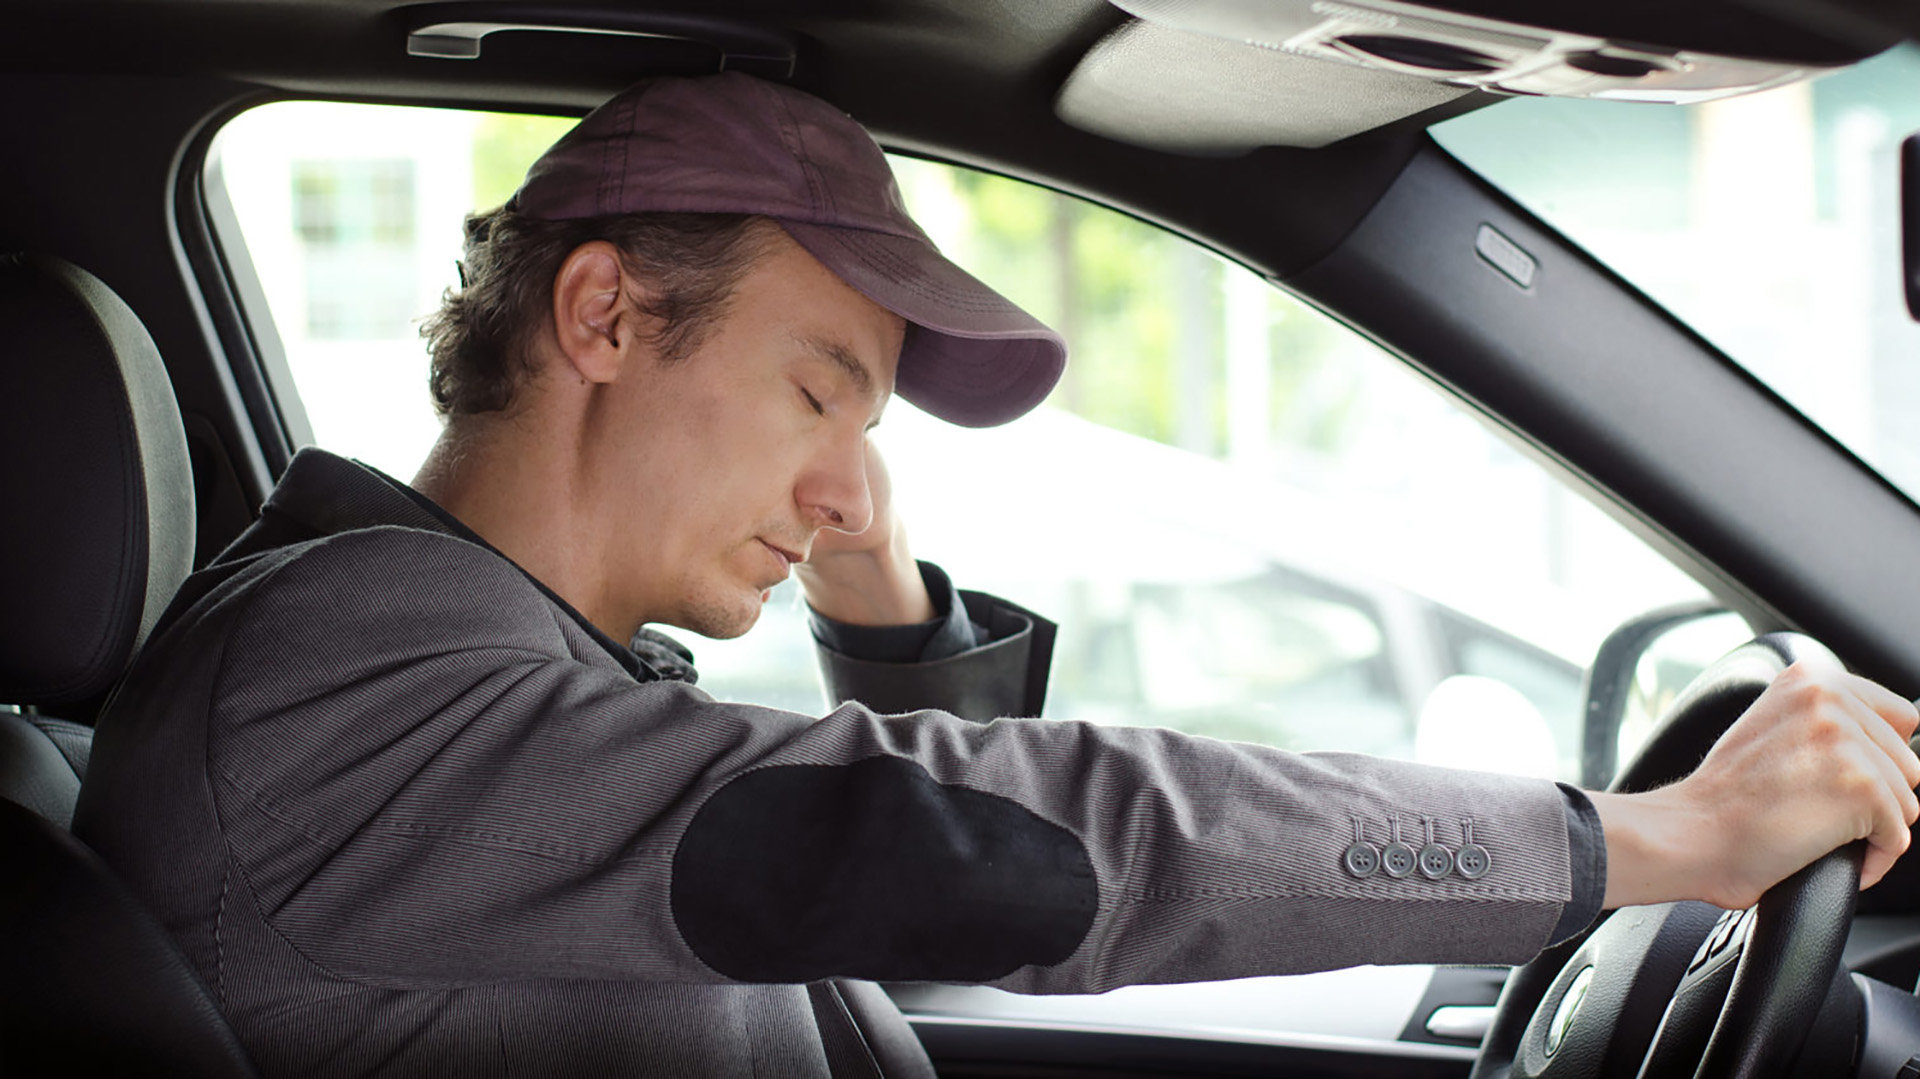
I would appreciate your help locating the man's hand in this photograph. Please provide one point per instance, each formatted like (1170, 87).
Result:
(1821, 759)
(867, 578)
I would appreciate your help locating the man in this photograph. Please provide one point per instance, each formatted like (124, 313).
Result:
(411, 807)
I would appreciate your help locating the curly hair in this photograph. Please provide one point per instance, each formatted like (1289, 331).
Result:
(482, 338)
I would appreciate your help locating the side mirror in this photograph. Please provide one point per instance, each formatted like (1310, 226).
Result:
(1641, 666)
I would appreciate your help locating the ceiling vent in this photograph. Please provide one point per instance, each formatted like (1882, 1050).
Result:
(1471, 51)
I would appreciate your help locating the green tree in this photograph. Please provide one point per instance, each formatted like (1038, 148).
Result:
(1143, 312)
(504, 144)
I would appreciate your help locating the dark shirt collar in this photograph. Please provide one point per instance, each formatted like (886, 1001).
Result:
(322, 494)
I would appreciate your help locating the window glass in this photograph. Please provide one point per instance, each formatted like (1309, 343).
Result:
(1248, 521)
(1504, 681)
(353, 222)
(351, 217)
(1769, 222)
(1268, 658)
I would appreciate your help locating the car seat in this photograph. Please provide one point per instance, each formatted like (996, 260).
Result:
(97, 491)
(98, 494)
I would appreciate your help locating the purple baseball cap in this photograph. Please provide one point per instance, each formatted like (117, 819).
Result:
(734, 144)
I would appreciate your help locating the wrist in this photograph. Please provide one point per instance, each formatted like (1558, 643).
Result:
(1654, 852)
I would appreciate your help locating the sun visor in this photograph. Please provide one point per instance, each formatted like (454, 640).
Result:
(1197, 93)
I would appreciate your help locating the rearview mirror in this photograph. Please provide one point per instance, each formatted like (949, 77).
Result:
(1910, 221)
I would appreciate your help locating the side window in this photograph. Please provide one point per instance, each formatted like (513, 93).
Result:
(1499, 681)
(353, 220)
(1248, 521)
(1279, 657)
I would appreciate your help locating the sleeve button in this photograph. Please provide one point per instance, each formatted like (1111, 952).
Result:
(1362, 860)
(1397, 859)
(1436, 861)
(1473, 861)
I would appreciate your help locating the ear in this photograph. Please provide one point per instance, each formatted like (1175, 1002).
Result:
(592, 322)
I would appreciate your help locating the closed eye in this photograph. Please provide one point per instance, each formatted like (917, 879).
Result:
(813, 402)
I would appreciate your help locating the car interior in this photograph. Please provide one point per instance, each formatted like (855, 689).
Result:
(146, 408)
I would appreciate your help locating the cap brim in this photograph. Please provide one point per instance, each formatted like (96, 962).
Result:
(978, 360)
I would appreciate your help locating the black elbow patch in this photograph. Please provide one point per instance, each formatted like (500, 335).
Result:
(875, 870)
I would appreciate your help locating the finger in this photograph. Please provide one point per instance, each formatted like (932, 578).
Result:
(1879, 860)
(1894, 783)
(1885, 738)
(1899, 713)
(1892, 829)
(1875, 867)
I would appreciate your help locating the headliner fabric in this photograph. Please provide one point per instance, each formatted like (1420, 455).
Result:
(97, 485)
(1192, 93)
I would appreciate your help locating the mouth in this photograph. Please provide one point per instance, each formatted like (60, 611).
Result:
(784, 557)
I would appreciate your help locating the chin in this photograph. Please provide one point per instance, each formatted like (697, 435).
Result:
(720, 618)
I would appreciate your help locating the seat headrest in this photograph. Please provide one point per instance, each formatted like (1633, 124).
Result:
(95, 484)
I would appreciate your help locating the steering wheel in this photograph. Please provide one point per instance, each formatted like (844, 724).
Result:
(1686, 988)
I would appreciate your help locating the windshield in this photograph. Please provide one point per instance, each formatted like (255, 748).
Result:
(1769, 223)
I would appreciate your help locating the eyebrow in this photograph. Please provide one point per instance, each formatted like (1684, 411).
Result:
(856, 371)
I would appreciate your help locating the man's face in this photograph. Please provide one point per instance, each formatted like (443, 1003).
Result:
(719, 469)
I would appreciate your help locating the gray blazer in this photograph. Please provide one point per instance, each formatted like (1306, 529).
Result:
(407, 812)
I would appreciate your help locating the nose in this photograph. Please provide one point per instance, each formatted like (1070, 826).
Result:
(835, 493)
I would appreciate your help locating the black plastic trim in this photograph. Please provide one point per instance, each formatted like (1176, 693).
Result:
(963, 1048)
(249, 295)
(1454, 987)
(199, 219)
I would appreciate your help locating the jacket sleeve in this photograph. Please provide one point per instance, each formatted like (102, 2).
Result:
(427, 776)
(1004, 674)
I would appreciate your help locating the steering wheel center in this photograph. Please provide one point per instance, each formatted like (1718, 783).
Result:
(1602, 1011)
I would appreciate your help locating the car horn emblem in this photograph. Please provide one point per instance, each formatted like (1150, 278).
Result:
(1569, 1004)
